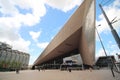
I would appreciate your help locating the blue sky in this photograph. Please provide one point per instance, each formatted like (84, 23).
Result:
(29, 26)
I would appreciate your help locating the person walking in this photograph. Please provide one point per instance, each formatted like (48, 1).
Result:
(17, 71)
(69, 66)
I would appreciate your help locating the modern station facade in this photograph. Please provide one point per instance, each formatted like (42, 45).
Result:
(76, 37)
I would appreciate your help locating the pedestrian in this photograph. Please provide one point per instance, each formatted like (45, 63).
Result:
(39, 69)
(69, 66)
(17, 71)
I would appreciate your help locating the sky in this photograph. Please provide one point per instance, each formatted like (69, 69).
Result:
(30, 25)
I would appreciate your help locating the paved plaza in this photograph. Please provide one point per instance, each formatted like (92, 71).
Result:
(59, 75)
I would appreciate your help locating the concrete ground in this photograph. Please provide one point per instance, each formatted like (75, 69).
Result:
(59, 75)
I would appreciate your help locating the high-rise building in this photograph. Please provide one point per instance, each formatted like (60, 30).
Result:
(12, 59)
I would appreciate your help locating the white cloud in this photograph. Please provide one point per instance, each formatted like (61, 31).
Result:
(19, 44)
(8, 33)
(64, 5)
(112, 11)
(34, 35)
(42, 45)
(100, 53)
(7, 7)
(12, 37)
(14, 18)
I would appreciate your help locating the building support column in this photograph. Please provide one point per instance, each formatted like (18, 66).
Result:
(87, 35)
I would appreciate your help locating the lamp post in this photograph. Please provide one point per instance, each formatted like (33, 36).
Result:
(101, 42)
(105, 52)
(114, 33)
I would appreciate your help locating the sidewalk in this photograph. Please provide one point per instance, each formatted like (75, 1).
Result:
(58, 75)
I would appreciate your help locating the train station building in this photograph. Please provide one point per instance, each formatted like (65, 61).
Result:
(76, 37)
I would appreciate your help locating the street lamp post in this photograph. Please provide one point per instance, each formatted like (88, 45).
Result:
(105, 52)
(101, 42)
(114, 33)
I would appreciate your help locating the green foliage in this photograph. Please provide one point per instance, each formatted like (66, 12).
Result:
(8, 64)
